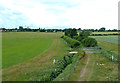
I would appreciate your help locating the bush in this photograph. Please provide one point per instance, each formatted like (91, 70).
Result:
(89, 42)
(75, 37)
(83, 35)
(72, 42)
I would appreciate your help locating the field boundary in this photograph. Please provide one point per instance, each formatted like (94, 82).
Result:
(71, 68)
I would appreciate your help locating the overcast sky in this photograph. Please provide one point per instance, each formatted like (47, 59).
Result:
(85, 14)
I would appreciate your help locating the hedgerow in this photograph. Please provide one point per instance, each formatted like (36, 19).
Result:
(58, 68)
(72, 42)
(71, 67)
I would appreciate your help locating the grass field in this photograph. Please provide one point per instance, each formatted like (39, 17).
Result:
(22, 50)
(16, 50)
(38, 63)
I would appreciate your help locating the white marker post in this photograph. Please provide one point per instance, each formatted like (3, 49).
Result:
(54, 61)
(112, 57)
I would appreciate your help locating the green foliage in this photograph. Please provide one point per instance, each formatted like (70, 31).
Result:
(71, 32)
(83, 35)
(89, 42)
(108, 54)
(58, 68)
(72, 42)
(85, 40)
(21, 28)
(71, 67)
(75, 37)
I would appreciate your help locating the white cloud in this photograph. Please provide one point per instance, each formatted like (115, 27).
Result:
(73, 13)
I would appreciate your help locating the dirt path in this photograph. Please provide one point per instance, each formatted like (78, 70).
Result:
(84, 69)
(90, 69)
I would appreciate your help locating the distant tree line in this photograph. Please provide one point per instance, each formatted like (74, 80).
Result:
(103, 29)
(105, 34)
(22, 29)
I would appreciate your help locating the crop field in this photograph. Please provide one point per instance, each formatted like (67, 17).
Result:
(108, 39)
(104, 32)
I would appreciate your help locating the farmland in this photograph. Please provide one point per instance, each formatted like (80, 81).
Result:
(108, 39)
(36, 63)
(104, 32)
(108, 42)
(97, 66)
(31, 56)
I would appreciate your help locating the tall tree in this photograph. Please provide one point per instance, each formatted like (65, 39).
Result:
(102, 29)
(71, 32)
(21, 28)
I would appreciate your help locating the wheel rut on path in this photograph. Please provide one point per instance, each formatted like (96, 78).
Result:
(82, 73)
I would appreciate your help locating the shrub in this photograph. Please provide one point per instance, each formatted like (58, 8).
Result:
(75, 37)
(89, 42)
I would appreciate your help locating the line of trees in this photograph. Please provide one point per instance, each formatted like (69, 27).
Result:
(103, 29)
(22, 29)
(105, 34)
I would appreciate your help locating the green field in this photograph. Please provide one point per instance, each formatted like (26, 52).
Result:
(19, 47)
(27, 56)
(109, 43)
(108, 39)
